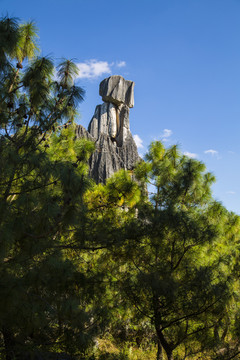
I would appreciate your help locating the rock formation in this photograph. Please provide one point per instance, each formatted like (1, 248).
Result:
(109, 128)
(117, 90)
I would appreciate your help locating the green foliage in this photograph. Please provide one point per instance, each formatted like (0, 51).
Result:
(167, 276)
(27, 44)
(85, 264)
(67, 71)
(48, 301)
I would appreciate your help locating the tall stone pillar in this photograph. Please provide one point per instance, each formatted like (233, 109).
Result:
(109, 128)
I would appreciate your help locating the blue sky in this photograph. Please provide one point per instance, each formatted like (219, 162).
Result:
(184, 57)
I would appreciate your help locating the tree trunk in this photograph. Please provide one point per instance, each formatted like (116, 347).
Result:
(163, 343)
(170, 356)
(159, 351)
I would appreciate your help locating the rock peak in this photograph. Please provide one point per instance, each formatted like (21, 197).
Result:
(117, 90)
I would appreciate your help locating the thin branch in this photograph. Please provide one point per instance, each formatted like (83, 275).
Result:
(35, 188)
(190, 315)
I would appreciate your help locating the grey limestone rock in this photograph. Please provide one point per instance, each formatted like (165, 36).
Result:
(109, 128)
(81, 132)
(110, 120)
(104, 121)
(117, 90)
(105, 161)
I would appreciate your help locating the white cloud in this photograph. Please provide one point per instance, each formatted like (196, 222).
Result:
(121, 64)
(211, 151)
(91, 69)
(167, 133)
(230, 192)
(191, 155)
(138, 141)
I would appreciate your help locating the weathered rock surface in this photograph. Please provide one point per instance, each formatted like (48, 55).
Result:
(110, 120)
(109, 158)
(117, 90)
(81, 132)
(109, 128)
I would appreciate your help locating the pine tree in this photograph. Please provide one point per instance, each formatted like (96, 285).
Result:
(48, 299)
(168, 276)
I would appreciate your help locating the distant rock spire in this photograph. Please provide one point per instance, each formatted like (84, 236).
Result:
(109, 128)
